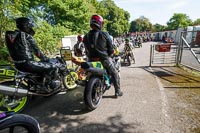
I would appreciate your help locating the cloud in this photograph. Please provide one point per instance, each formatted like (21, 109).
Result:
(140, 1)
(178, 4)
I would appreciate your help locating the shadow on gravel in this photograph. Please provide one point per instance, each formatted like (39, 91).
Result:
(111, 96)
(113, 124)
(124, 64)
(70, 103)
(66, 113)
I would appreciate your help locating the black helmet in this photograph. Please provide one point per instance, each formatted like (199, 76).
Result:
(25, 25)
(97, 20)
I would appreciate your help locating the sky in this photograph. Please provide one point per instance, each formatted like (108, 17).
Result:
(160, 11)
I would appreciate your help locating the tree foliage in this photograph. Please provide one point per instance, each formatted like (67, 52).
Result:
(196, 22)
(58, 18)
(158, 27)
(116, 19)
(141, 24)
(179, 20)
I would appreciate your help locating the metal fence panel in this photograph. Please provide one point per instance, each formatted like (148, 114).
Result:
(190, 51)
(163, 54)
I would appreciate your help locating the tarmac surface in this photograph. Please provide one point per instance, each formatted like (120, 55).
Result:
(157, 99)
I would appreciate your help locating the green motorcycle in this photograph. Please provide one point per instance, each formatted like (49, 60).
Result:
(96, 83)
(18, 87)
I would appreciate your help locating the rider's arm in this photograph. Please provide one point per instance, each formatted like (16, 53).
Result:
(109, 45)
(125, 47)
(35, 48)
(131, 46)
(84, 44)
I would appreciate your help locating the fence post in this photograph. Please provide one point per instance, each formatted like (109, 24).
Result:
(179, 48)
(150, 56)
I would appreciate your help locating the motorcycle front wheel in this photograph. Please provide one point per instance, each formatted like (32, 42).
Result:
(13, 103)
(93, 93)
(20, 123)
(70, 79)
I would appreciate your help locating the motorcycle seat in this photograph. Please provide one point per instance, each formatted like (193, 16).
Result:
(22, 74)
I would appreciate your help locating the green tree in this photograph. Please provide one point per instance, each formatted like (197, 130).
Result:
(140, 24)
(73, 14)
(116, 19)
(178, 20)
(8, 10)
(197, 22)
(48, 37)
(58, 18)
(158, 27)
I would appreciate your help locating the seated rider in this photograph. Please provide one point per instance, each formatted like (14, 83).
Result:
(22, 48)
(128, 48)
(99, 48)
(79, 48)
(116, 49)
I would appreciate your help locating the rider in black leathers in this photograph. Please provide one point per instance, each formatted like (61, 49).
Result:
(21, 46)
(99, 47)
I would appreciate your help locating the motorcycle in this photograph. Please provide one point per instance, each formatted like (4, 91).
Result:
(96, 83)
(138, 43)
(128, 56)
(16, 93)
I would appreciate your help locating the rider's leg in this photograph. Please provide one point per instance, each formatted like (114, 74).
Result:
(47, 69)
(132, 56)
(108, 64)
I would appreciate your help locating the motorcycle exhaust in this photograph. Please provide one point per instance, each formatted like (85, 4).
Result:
(11, 91)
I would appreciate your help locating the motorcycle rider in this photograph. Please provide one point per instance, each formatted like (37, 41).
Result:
(115, 56)
(22, 48)
(79, 49)
(99, 47)
(129, 48)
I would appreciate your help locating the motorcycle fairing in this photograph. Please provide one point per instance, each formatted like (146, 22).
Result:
(7, 71)
(94, 67)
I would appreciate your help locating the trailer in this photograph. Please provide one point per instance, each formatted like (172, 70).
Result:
(69, 41)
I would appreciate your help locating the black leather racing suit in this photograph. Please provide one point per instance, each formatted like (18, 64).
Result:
(21, 47)
(98, 45)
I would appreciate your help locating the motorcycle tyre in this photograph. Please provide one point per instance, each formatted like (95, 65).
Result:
(70, 85)
(21, 120)
(129, 60)
(88, 96)
(23, 103)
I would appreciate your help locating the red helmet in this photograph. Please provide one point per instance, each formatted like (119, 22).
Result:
(97, 20)
(79, 38)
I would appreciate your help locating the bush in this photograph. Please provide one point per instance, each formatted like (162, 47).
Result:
(4, 55)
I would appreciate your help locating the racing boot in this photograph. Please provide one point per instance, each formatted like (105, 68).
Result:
(118, 92)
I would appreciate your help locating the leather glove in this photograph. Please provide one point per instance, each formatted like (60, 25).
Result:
(45, 59)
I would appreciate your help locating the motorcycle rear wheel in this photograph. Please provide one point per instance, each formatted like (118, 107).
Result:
(93, 93)
(13, 103)
(129, 60)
